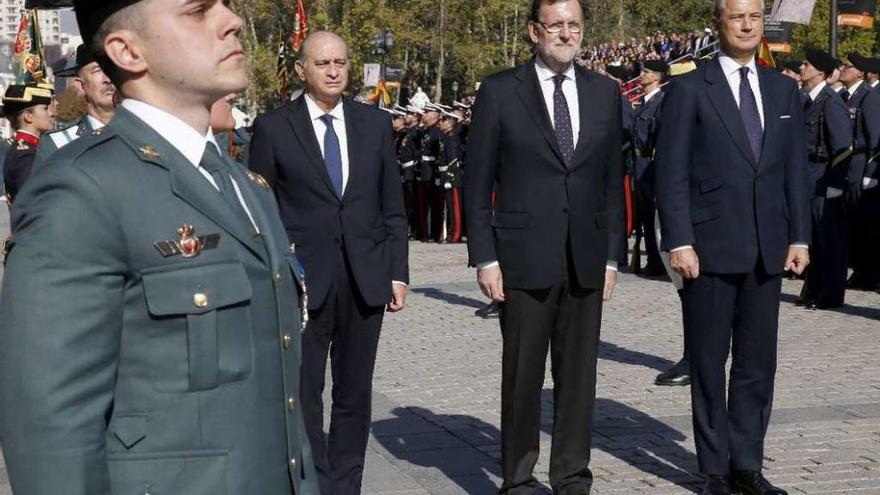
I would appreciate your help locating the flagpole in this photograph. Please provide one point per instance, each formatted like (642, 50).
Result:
(832, 41)
(39, 40)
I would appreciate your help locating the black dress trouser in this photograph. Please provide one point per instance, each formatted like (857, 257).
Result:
(729, 427)
(565, 319)
(348, 330)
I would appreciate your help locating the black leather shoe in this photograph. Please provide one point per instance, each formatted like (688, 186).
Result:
(716, 485)
(678, 375)
(490, 311)
(753, 483)
(653, 271)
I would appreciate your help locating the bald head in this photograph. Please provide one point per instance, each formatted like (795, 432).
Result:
(319, 41)
(323, 68)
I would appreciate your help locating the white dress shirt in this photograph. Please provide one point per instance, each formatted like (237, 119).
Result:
(731, 72)
(650, 95)
(184, 139)
(814, 93)
(875, 83)
(569, 89)
(852, 89)
(338, 115)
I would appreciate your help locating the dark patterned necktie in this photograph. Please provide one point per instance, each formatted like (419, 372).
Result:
(748, 109)
(845, 95)
(562, 120)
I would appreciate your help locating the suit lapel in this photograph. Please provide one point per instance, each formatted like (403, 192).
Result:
(721, 97)
(529, 92)
(355, 146)
(586, 117)
(771, 102)
(187, 182)
(304, 132)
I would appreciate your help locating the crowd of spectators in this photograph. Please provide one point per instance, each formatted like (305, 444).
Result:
(661, 46)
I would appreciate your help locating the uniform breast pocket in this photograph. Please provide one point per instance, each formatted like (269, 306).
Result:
(201, 336)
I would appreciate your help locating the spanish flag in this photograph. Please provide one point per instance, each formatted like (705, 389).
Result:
(300, 26)
(380, 96)
(765, 56)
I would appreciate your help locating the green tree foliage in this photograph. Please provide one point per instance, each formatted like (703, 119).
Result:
(438, 42)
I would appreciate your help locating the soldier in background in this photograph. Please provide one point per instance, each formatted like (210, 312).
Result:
(409, 154)
(644, 135)
(792, 70)
(829, 142)
(451, 174)
(99, 94)
(429, 177)
(30, 112)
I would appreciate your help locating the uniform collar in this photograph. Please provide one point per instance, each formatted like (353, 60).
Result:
(855, 87)
(178, 133)
(814, 93)
(27, 136)
(650, 95)
(95, 123)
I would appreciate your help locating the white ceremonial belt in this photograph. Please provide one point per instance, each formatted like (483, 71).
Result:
(426, 158)
(443, 169)
(408, 164)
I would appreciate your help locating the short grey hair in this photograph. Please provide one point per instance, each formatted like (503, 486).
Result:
(720, 4)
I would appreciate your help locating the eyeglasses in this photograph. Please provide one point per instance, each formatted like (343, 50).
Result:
(556, 28)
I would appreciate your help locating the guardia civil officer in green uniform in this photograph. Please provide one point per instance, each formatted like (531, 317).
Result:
(98, 92)
(151, 304)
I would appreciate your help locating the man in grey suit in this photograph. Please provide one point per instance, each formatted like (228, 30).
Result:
(151, 304)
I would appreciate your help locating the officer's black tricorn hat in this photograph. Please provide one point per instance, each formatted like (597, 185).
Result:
(656, 66)
(793, 65)
(90, 14)
(617, 72)
(83, 57)
(21, 96)
(821, 60)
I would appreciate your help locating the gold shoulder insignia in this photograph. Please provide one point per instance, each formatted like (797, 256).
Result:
(22, 145)
(97, 132)
(149, 151)
(259, 179)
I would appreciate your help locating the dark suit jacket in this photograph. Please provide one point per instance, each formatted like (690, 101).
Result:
(711, 191)
(542, 203)
(369, 218)
(871, 113)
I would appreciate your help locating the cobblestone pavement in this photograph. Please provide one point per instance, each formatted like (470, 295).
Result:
(437, 393)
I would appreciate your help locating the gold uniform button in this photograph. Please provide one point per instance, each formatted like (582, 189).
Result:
(277, 277)
(200, 299)
(290, 402)
(286, 340)
(292, 463)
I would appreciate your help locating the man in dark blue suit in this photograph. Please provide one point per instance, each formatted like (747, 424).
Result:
(333, 167)
(732, 189)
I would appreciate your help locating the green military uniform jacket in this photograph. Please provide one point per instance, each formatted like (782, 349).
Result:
(129, 368)
(53, 141)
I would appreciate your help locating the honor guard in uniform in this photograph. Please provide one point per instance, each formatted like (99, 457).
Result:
(829, 142)
(5, 144)
(408, 155)
(29, 110)
(429, 177)
(99, 94)
(152, 305)
(862, 215)
(451, 172)
(462, 128)
(644, 135)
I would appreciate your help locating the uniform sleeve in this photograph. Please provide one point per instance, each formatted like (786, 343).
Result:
(61, 314)
(871, 113)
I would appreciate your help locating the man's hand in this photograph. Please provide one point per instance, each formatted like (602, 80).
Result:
(610, 284)
(798, 259)
(685, 262)
(398, 298)
(491, 283)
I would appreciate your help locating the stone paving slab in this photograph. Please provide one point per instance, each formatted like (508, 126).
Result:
(438, 377)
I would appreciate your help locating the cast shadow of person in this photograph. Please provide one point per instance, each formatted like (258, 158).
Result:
(466, 449)
(449, 297)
